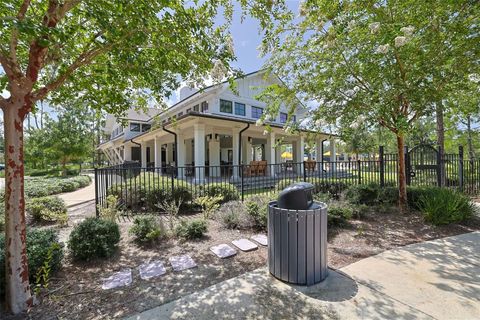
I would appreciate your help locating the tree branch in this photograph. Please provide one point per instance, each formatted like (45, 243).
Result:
(14, 36)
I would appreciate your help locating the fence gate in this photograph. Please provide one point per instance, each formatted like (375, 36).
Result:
(423, 166)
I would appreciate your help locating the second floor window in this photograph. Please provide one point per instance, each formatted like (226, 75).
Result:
(204, 106)
(195, 108)
(146, 127)
(257, 112)
(239, 109)
(283, 117)
(189, 110)
(135, 127)
(179, 114)
(225, 106)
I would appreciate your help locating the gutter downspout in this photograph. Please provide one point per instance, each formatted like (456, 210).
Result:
(175, 137)
(240, 143)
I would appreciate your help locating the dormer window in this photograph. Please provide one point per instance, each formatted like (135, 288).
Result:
(239, 109)
(225, 106)
(283, 117)
(135, 127)
(204, 106)
(257, 112)
(146, 127)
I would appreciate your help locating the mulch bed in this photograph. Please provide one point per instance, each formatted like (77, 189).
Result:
(75, 291)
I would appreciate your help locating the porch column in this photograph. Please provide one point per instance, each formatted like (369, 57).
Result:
(333, 155)
(144, 154)
(199, 144)
(270, 153)
(278, 157)
(158, 153)
(169, 153)
(318, 154)
(235, 146)
(214, 157)
(180, 163)
(127, 153)
(248, 151)
(299, 152)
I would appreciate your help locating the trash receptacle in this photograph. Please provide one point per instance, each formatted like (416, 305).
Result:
(297, 236)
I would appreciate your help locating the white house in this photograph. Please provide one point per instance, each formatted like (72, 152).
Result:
(207, 129)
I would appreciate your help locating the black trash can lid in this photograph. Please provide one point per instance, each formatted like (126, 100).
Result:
(297, 196)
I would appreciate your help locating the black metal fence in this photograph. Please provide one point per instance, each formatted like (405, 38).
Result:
(143, 187)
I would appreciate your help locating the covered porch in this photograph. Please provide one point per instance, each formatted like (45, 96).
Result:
(197, 148)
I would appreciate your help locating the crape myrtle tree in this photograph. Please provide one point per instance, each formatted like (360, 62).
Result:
(110, 54)
(372, 62)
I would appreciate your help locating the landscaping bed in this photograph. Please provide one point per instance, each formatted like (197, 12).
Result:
(76, 289)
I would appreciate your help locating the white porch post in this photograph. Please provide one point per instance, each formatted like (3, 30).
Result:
(299, 152)
(248, 151)
(127, 153)
(199, 144)
(318, 150)
(235, 146)
(214, 157)
(180, 163)
(270, 153)
(333, 155)
(144, 154)
(169, 153)
(158, 153)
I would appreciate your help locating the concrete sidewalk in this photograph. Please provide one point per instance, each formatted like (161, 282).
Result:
(432, 280)
(79, 196)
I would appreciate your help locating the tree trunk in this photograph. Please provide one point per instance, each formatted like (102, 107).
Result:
(18, 296)
(440, 139)
(471, 152)
(402, 177)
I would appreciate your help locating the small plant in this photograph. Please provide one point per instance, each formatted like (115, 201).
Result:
(191, 229)
(42, 276)
(338, 215)
(234, 215)
(111, 210)
(94, 238)
(257, 209)
(363, 194)
(444, 206)
(146, 229)
(171, 208)
(209, 204)
(47, 209)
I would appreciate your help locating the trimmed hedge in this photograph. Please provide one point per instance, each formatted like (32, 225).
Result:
(228, 191)
(39, 243)
(47, 209)
(191, 229)
(94, 238)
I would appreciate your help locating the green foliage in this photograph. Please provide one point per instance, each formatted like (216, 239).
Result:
(257, 209)
(191, 229)
(388, 195)
(110, 211)
(416, 193)
(41, 187)
(443, 206)
(146, 229)
(47, 209)
(233, 215)
(338, 214)
(42, 276)
(40, 244)
(94, 238)
(209, 204)
(227, 191)
(363, 194)
(282, 184)
(2, 217)
(333, 188)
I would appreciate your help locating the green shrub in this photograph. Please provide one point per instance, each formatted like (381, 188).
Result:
(338, 215)
(47, 209)
(388, 195)
(94, 238)
(146, 229)
(233, 215)
(363, 194)
(226, 190)
(209, 204)
(257, 209)
(191, 229)
(39, 243)
(414, 194)
(41, 187)
(443, 206)
(2, 220)
(333, 188)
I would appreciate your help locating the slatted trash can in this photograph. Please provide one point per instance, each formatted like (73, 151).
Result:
(297, 236)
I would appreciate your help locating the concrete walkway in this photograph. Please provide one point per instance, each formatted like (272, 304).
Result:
(432, 280)
(79, 196)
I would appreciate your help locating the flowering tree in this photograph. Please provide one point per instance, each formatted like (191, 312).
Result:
(110, 54)
(371, 62)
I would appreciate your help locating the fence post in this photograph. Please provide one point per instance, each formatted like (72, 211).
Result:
(242, 187)
(173, 178)
(95, 171)
(304, 171)
(359, 163)
(460, 167)
(382, 165)
(406, 157)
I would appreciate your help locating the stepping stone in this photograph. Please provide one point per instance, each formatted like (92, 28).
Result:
(180, 263)
(151, 270)
(223, 250)
(118, 279)
(245, 245)
(260, 238)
